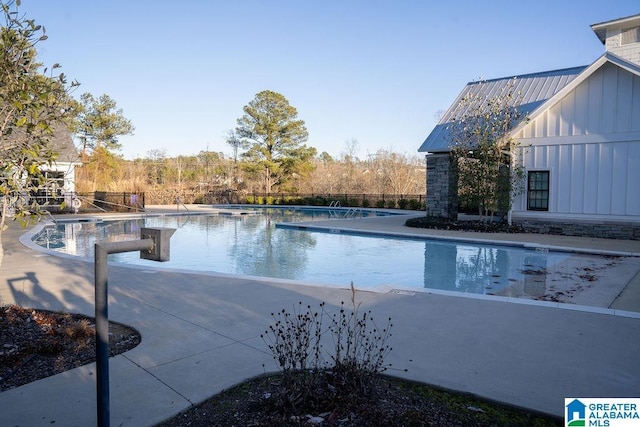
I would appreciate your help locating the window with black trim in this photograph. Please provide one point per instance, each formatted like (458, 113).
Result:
(538, 191)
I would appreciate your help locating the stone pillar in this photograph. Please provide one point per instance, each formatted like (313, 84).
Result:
(442, 186)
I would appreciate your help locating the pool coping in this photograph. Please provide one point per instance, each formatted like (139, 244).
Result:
(27, 240)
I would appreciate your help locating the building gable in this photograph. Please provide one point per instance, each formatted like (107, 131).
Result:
(603, 101)
(588, 139)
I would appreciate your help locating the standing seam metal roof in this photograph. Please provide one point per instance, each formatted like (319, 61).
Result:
(534, 89)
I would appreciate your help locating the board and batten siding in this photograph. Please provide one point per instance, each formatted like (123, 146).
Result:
(590, 142)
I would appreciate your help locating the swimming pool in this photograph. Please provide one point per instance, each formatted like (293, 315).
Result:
(252, 245)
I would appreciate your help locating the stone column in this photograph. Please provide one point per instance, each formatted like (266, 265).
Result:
(442, 186)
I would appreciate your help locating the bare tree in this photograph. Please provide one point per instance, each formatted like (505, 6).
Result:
(480, 141)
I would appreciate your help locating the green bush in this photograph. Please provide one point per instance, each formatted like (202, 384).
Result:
(403, 203)
(314, 201)
(391, 204)
(365, 203)
(380, 204)
(415, 205)
(294, 201)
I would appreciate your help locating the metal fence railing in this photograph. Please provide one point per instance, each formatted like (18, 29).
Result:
(389, 201)
(136, 201)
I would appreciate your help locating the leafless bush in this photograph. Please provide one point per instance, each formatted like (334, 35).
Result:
(323, 369)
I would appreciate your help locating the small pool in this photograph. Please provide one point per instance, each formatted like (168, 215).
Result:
(252, 245)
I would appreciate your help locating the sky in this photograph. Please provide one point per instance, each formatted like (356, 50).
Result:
(363, 75)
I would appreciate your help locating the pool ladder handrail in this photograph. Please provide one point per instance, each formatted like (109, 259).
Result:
(50, 216)
(178, 203)
(332, 212)
(352, 212)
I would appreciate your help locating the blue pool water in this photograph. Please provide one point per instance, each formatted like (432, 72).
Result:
(252, 245)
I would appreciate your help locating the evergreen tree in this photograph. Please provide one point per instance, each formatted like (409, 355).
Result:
(274, 139)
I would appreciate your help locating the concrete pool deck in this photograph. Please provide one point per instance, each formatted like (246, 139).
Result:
(201, 334)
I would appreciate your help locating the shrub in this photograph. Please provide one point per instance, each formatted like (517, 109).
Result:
(315, 201)
(391, 204)
(403, 203)
(321, 201)
(316, 376)
(294, 201)
(366, 203)
(438, 223)
(415, 205)
(380, 204)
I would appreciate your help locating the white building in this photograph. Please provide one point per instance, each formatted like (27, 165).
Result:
(61, 185)
(580, 147)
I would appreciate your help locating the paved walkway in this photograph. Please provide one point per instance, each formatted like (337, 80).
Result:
(201, 335)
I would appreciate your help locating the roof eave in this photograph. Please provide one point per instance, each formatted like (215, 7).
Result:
(601, 27)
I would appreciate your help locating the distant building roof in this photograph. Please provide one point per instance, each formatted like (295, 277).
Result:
(60, 142)
(534, 89)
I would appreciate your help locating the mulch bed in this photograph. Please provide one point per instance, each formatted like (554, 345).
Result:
(478, 226)
(35, 344)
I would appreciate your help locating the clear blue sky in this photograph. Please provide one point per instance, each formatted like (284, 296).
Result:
(373, 71)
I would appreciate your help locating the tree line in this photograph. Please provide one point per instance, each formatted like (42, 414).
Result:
(383, 172)
(268, 155)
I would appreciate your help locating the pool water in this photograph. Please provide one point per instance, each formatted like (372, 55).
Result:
(252, 245)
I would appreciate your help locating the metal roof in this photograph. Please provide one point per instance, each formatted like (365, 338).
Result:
(534, 90)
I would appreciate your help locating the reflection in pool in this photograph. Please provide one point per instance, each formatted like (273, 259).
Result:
(252, 245)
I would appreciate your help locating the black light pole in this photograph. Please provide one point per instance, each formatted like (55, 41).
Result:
(154, 245)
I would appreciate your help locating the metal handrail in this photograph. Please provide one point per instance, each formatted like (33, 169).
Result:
(352, 212)
(178, 203)
(50, 216)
